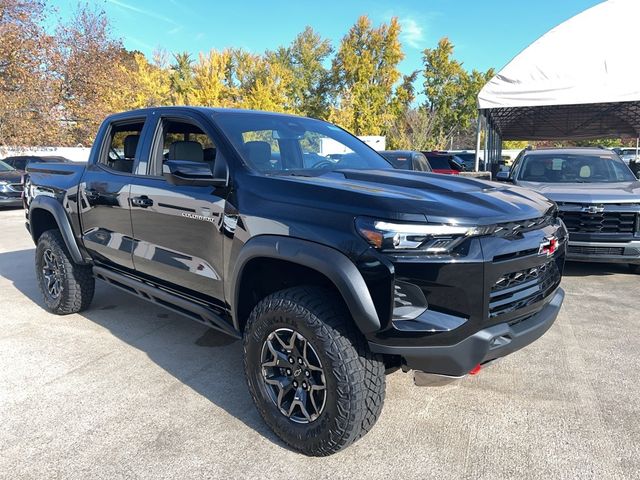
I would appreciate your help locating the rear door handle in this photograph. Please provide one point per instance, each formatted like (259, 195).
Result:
(143, 201)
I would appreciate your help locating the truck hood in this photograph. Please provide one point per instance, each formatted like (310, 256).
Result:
(618, 192)
(412, 196)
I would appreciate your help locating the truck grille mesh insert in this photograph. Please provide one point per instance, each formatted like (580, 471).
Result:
(603, 222)
(519, 289)
(583, 250)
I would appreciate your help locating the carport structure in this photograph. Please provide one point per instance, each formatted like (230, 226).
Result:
(579, 80)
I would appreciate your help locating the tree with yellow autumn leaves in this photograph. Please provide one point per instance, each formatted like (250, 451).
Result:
(57, 88)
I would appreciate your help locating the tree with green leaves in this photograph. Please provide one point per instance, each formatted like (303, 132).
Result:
(365, 71)
(257, 83)
(310, 84)
(450, 92)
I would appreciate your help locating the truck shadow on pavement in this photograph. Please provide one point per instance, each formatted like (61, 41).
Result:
(203, 359)
(582, 269)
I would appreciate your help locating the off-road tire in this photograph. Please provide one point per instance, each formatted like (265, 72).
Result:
(355, 378)
(76, 282)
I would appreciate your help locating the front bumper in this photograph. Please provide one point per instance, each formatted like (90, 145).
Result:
(606, 252)
(484, 346)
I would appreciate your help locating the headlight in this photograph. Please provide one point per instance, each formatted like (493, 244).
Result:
(4, 186)
(426, 237)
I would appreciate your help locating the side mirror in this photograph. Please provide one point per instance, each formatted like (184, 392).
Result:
(184, 172)
(503, 177)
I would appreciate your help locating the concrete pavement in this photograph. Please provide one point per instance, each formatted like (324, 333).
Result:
(129, 390)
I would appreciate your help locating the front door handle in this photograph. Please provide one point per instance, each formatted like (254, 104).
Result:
(91, 193)
(143, 201)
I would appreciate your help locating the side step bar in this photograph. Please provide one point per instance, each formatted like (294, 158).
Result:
(166, 299)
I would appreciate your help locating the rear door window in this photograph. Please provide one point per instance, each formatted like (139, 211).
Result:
(123, 146)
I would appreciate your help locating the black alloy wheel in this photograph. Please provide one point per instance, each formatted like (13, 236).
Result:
(52, 274)
(293, 375)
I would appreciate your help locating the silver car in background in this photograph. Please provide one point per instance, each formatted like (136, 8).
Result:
(598, 198)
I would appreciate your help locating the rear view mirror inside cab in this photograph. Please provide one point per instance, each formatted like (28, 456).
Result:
(292, 131)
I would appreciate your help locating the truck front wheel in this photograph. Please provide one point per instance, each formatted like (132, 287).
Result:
(66, 286)
(310, 372)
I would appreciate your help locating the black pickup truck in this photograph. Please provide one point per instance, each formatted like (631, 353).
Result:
(332, 271)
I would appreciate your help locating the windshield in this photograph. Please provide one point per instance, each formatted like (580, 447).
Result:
(278, 144)
(571, 168)
(5, 168)
(628, 151)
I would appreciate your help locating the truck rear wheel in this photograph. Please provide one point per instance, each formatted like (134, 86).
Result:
(66, 286)
(310, 372)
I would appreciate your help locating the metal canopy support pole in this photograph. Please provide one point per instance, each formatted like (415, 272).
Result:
(499, 146)
(478, 135)
(637, 140)
(486, 143)
(492, 158)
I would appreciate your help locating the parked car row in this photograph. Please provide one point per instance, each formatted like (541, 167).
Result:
(436, 162)
(596, 190)
(11, 171)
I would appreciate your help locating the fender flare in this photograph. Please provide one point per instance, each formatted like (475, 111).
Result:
(51, 205)
(330, 262)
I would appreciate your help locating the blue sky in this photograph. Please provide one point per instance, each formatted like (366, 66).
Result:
(486, 33)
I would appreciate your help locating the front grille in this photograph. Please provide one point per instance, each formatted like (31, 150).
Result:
(519, 289)
(602, 222)
(583, 250)
(513, 229)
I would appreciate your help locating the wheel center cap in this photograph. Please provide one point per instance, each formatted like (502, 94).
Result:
(297, 372)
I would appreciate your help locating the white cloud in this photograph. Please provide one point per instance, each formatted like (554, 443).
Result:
(412, 33)
(147, 13)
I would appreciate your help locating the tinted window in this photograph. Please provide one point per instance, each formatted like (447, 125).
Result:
(19, 163)
(278, 144)
(421, 163)
(457, 164)
(182, 141)
(439, 162)
(399, 161)
(123, 143)
(573, 168)
(4, 167)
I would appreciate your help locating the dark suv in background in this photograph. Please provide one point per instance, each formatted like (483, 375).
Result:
(20, 162)
(442, 162)
(10, 186)
(407, 160)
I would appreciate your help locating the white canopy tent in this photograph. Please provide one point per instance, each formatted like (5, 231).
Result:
(579, 80)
